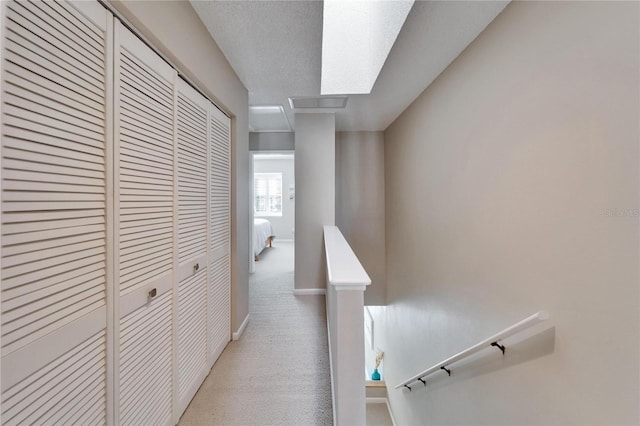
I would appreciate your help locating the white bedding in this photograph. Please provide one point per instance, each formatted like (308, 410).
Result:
(262, 230)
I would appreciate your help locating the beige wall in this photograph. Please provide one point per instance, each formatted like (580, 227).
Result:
(360, 203)
(272, 141)
(174, 28)
(315, 195)
(512, 186)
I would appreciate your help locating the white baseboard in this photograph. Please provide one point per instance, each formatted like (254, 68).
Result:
(333, 391)
(309, 291)
(237, 334)
(393, 419)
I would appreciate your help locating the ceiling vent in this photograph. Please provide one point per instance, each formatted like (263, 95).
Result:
(268, 118)
(324, 102)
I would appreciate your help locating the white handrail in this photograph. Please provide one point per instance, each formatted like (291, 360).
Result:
(491, 341)
(344, 270)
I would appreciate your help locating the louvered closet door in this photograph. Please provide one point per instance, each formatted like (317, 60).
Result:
(191, 145)
(220, 233)
(54, 213)
(144, 170)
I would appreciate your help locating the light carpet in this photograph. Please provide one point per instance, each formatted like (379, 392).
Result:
(278, 372)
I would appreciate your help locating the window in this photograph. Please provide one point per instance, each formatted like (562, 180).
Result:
(267, 190)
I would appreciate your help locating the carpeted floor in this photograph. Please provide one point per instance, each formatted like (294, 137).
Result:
(278, 372)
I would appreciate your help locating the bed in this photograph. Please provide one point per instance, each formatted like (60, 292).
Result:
(263, 235)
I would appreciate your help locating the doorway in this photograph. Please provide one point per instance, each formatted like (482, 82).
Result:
(273, 209)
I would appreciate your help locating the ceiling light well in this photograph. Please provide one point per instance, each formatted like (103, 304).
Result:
(268, 118)
(357, 36)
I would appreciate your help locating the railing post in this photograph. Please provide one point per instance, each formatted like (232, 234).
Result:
(346, 283)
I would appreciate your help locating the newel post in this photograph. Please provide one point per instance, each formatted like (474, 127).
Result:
(346, 282)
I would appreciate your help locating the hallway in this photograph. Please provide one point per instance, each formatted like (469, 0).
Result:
(278, 372)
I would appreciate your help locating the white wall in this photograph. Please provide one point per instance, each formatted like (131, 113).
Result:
(283, 225)
(315, 195)
(175, 29)
(512, 185)
(360, 204)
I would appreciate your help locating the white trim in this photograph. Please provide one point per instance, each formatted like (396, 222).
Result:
(252, 258)
(176, 412)
(350, 287)
(309, 291)
(282, 240)
(333, 393)
(115, 231)
(3, 13)
(237, 334)
(393, 419)
(269, 156)
(110, 183)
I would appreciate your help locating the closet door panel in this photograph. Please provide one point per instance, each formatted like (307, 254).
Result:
(192, 336)
(146, 364)
(70, 389)
(191, 137)
(220, 184)
(144, 164)
(144, 216)
(54, 212)
(191, 261)
(219, 309)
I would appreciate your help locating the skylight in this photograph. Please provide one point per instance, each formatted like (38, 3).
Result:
(357, 36)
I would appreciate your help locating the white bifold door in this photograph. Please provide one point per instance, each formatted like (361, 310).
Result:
(144, 219)
(202, 236)
(115, 223)
(219, 263)
(192, 231)
(55, 231)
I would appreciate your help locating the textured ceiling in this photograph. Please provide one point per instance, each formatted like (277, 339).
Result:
(275, 48)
